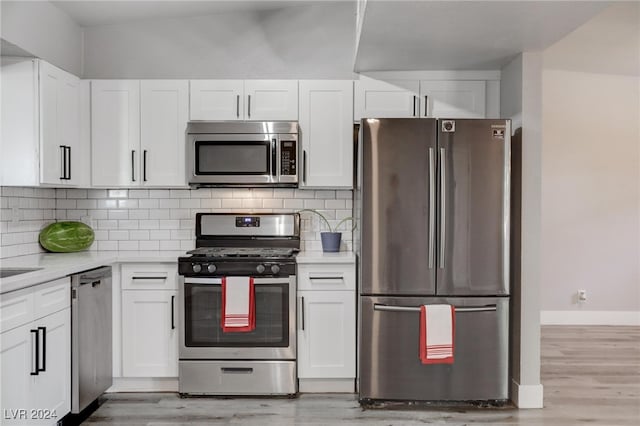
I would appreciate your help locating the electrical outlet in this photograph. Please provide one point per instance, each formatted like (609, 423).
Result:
(582, 295)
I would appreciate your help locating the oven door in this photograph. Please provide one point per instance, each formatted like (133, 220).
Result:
(201, 335)
(233, 159)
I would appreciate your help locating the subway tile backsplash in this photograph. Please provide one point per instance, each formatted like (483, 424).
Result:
(156, 219)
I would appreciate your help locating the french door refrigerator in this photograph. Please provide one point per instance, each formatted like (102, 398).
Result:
(432, 197)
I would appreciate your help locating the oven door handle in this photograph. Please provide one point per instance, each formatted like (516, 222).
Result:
(218, 281)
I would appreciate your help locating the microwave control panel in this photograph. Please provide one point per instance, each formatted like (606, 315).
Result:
(288, 157)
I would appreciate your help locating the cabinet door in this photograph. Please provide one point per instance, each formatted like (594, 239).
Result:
(163, 119)
(327, 334)
(453, 99)
(53, 383)
(216, 100)
(268, 100)
(149, 327)
(115, 132)
(326, 127)
(52, 148)
(382, 99)
(17, 361)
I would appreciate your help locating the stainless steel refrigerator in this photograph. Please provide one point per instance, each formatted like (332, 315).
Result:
(432, 198)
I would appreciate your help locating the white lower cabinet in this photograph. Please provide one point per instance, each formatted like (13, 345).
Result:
(150, 333)
(35, 355)
(326, 327)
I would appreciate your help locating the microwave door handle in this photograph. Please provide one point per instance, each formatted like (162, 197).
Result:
(274, 158)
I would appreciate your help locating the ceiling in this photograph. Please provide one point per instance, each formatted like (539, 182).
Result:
(88, 13)
(462, 35)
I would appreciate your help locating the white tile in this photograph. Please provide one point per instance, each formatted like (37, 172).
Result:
(107, 224)
(169, 203)
(348, 204)
(76, 214)
(101, 235)
(118, 235)
(139, 235)
(169, 224)
(181, 234)
(211, 203)
(188, 224)
(139, 214)
(334, 204)
(273, 203)
(341, 214)
(201, 193)
(170, 245)
(149, 224)
(283, 193)
(179, 193)
(87, 204)
(231, 203)
(28, 214)
(313, 204)
(138, 193)
(222, 193)
(65, 204)
(48, 214)
(304, 193)
(60, 193)
(148, 204)
(127, 204)
(128, 245)
(61, 214)
(107, 204)
(251, 203)
(49, 203)
(190, 203)
(325, 194)
(262, 193)
(128, 224)
(187, 245)
(76, 193)
(180, 214)
(118, 214)
(163, 234)
(107, 245)
(242, 193)
(97, 193)
(344, 194)
(160, 214)
(159, 193)
(98, 214)
(149, 245)
(117, 193)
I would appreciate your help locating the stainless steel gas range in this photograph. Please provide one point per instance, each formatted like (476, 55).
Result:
(259, 362)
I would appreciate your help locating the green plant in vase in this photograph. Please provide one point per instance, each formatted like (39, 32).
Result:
(331, 239)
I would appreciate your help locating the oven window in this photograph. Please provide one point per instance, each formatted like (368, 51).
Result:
(203, 307)
(232, 158)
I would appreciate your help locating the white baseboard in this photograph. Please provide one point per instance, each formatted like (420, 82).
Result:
(590, 318)
(527, 396)
(144, 384)
(326, 385)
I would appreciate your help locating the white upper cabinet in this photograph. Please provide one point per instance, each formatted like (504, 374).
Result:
(453, 99)
(257, 100)
(138, 132)
(41, 125)
(326, 128)
(163, 121)
(386, 99)
(115, 132)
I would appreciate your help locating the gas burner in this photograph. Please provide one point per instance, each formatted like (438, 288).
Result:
(249, 252)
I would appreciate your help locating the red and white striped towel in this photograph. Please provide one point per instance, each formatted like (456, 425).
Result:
(437, 334)
(238, 304)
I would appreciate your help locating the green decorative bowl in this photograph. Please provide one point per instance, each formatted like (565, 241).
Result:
(66, 237)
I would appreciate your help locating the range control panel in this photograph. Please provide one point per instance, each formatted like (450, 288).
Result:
(288, 157)
(247, 222)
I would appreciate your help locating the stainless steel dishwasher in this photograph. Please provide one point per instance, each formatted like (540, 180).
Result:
(91, 336)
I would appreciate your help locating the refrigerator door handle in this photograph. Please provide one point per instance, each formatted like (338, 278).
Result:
(432, 207)
(443, 205)
(387, 308)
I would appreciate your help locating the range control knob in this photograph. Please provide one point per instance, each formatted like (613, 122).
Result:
(196, 268)
(211, 268)
(260, 269)
(275, 269)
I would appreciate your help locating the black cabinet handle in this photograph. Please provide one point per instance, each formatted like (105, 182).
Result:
(64, 162)
(302, 313)
(249, 106)
(44, 348)
(133, 162)
(37, 352)
(173, 324)
(414, 105)
(69, 163)
(304, 166)
(144, 165)
(426, 106)
(238, 106)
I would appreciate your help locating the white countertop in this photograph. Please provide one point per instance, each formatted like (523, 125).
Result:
(58, 265)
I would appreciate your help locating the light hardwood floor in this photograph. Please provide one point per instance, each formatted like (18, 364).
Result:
(591, 375)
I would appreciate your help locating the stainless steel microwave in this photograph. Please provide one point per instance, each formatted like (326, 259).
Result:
(228, 153)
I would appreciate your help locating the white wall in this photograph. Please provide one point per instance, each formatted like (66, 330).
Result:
(511, 92)
(591, 170)
(284, 43)
(43, 30)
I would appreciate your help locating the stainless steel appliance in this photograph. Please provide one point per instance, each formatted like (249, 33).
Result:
(242, 153)
(91, 336)
(432, 198)
(260, 362)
